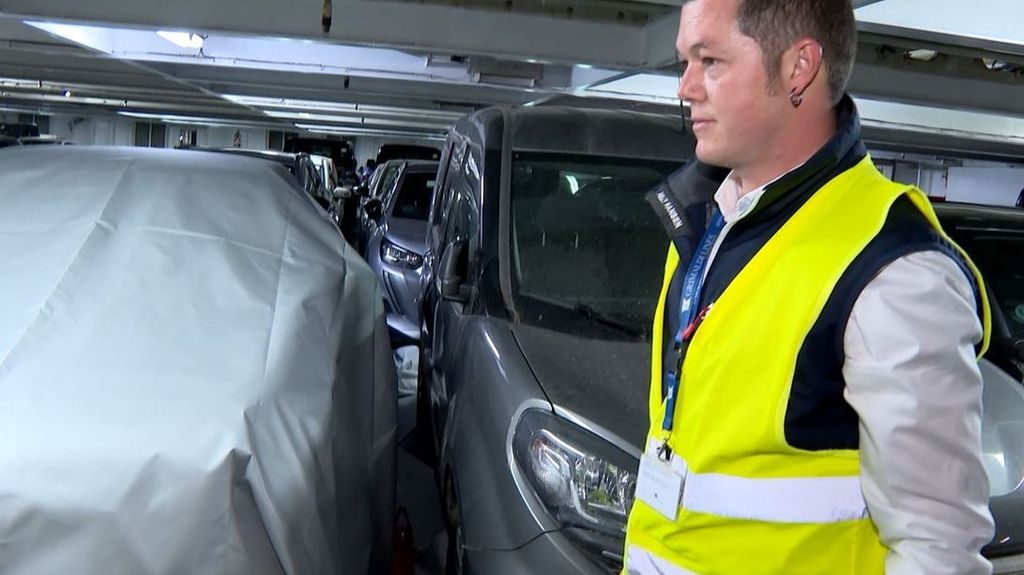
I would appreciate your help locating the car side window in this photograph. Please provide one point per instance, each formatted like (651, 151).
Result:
(464, 219)
(443, 193)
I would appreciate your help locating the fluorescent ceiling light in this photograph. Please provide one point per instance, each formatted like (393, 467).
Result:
(198, 120)
(313, 117)
(319, 105)
(182, 39)
(287, 103)
(327, 129)
(360, 120)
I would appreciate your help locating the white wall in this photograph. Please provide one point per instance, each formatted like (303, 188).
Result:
(994, 186)
(931, 179)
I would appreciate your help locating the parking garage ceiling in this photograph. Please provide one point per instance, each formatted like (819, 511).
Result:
(411, 67)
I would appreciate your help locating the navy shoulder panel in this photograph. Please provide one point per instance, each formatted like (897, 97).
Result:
(818, 417)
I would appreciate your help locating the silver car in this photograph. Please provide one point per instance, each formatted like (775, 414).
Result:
(542, 272)
(396, 238)
(196, 376)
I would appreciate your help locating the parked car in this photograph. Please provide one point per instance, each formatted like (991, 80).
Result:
(340, 151)
(8, 142)
(299, 165)
(389, 152)
(396, 238)
(331, 182)
(994, 238)
(49, 140)
(18, 130)
(541, 276)
(196, 374)
(382, 182)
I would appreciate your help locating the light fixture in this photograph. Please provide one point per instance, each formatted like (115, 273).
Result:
(320, 105)
(922, 55)
(182, 39)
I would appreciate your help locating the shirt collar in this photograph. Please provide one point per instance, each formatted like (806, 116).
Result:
(735, 207)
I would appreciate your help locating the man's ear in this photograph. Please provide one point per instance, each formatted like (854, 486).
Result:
(803, 62)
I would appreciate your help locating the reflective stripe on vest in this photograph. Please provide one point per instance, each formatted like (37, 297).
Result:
(783, 500)
(641, 562)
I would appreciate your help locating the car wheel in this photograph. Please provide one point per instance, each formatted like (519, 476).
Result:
(455, 560)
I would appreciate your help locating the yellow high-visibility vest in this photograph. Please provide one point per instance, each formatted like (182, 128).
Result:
(752, 503)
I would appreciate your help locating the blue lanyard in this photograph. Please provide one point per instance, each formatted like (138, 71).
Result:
(689, 302)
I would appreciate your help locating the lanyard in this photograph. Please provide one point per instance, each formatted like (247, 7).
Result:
(689, 300)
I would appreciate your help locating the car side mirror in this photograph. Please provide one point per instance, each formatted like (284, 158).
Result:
(375, 209)
(453, 273)
(342, 193)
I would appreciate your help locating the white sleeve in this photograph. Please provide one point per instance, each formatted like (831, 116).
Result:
(912, 376)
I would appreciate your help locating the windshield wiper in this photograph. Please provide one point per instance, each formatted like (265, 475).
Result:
(591, 314)
(596, 316)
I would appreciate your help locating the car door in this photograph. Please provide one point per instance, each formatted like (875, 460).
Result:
(459, 250)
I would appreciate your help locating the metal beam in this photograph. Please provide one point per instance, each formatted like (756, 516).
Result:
(946, 82)
(945, 42)
(421, 27)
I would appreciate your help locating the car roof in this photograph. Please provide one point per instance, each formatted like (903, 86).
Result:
(273, 155)
(582, 131)
(963, 213)
(420, 165)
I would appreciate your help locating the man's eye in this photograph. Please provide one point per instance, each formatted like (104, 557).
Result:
(706, 62)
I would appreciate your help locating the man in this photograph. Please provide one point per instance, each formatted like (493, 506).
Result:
(815, 396)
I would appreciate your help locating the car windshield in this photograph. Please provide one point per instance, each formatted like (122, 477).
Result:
(999, 257)
(413, 198)
(587, 249)
(387, 179)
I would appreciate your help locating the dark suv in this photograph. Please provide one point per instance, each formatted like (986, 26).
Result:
(541, 275)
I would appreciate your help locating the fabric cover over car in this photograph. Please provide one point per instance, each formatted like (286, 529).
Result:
(195, 374)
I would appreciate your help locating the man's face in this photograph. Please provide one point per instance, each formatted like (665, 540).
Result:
(735, 118)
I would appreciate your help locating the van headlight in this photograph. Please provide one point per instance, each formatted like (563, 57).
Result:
(585, 482)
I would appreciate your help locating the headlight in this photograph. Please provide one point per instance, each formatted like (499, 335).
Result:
(584, 481)
(395, 255)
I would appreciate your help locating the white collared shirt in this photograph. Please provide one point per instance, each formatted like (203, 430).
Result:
(912, 377)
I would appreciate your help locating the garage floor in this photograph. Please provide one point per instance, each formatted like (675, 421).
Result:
(417, 493)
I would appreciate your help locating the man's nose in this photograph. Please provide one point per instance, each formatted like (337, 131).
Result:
(690, 86)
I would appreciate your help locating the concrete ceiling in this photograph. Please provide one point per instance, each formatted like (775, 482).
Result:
(413, 66)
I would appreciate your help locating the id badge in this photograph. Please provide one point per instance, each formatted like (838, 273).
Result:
(659, 486)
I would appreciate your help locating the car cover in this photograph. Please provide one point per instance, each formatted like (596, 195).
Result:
(195, 374)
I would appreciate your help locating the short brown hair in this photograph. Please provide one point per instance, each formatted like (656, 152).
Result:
(776, 24)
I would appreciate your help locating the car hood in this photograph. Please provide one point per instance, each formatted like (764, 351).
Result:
(603, 381)
(408, 234)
